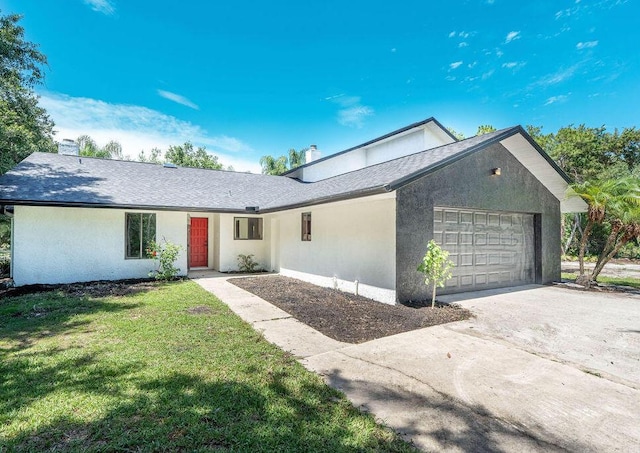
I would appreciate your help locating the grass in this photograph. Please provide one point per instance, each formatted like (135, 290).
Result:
(624, 281)
(168, 368)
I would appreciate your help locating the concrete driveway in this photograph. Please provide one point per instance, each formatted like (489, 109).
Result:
(595, 332)
(511, 379)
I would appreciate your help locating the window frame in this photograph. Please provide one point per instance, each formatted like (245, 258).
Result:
(305, 227)
(236, 230)
(142, 243)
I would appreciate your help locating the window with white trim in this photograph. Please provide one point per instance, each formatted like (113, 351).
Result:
(140, 232)
(247, 228)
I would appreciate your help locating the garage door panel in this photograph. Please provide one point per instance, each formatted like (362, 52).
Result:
(489, 249)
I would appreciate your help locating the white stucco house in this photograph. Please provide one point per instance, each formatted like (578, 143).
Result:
(360, 218)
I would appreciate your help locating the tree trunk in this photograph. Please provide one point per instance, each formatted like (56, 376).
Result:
(576, 223)
(608, 246)
(433, 298)
(583, 245)
(607, 258)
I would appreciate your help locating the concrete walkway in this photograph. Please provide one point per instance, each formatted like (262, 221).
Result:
(448, 390)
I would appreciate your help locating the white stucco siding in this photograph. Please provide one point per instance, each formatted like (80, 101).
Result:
(337, 165)
(65, 245)
(401, 146)
(230, 248)
(351, 240)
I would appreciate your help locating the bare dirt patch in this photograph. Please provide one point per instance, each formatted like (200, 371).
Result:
(199, 310)
(344, 316)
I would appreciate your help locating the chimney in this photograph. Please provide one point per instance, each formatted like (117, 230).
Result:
(312, 154)
(68, 147)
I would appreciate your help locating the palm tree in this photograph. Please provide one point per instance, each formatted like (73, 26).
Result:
(618, 202)
(272, 165)
(297, 158)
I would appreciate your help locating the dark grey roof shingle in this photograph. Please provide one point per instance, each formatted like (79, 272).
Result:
(56, 179)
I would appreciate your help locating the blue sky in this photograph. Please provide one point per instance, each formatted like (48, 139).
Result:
(251, 78)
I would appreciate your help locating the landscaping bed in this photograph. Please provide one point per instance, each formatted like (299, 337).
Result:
(344, 316)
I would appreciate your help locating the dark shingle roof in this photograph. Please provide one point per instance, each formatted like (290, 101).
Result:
(53, 179)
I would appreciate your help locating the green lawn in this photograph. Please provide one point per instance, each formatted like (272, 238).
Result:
(148, 372)
(626, 281)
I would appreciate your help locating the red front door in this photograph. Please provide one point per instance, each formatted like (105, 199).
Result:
(199, 242)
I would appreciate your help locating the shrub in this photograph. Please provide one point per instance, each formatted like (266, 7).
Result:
(246, 263)
(5, 264)
(165, 255)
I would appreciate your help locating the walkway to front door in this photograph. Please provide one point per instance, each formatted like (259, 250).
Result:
(199, 234)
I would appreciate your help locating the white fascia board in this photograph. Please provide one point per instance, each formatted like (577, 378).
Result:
(528, 156)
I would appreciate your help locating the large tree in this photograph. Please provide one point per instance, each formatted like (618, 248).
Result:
(25, 127)
(186, 156)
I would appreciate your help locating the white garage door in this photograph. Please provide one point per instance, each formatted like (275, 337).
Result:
(489, 249)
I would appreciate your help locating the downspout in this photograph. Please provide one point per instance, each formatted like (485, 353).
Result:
(12, 248)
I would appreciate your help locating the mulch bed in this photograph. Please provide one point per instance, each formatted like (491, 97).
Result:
(344, 316)
(103, 288)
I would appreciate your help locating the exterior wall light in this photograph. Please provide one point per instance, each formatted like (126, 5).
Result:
(496, 171)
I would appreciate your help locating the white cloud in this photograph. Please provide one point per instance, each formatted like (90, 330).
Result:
(581, 8)
(512, 36)
(352, 113)
(554, 99)
(461, 34)
(586, 45)
(463, 44)
(488, 74)
(490, 2)
(138, 128)
(515, 65)
(178, 99)
(101, 6)
(556, 77)
(354, 116)
(455, 64)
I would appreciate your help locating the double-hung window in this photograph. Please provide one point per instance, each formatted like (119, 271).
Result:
(140, 232)
(306, 226)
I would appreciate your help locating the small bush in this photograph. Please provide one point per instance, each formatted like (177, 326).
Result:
(166, 255)
(246, 263)
(5, 265)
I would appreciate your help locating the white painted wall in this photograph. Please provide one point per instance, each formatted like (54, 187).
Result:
(337, 165)
(65, 245)
(401, 146)
(418, 139)
(216, 241)
(230, 248)
(351, 240)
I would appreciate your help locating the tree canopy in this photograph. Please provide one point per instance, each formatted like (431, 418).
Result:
(25, 127)
(278, 165)
(89, 148)
(186, 156)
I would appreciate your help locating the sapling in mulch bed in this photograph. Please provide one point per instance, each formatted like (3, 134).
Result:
(436, 267)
